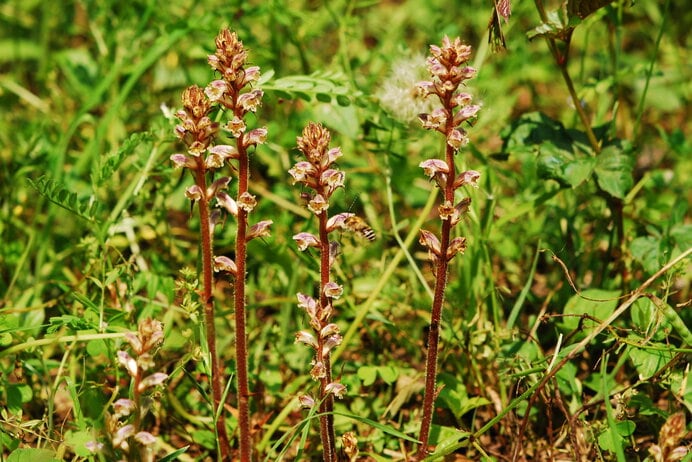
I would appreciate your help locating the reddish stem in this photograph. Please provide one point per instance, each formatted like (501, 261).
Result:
(208, 301)
(240, 316)
(442, 266)
(327, 404)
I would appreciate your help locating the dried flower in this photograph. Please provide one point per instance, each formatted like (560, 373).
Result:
(350, 444)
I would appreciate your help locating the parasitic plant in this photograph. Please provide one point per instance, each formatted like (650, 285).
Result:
(234, 95)
(125, 425)
(317, 172)
(449, 70)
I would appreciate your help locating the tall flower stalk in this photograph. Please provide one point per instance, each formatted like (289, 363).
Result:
(317, 173)
(130, 438)
(449, 70)
(232, 93)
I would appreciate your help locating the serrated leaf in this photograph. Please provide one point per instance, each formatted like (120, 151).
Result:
(559, 165)
(614, 171)
(682, 235)
(535, 128)
(577, 171)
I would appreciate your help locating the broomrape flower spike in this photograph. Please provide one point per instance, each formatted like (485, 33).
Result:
(318, 172)
(128, 437)
(447, 65)
(234, 95)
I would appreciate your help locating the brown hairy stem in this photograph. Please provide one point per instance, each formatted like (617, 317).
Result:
(327, 404)
(240, 316)
(208, 301)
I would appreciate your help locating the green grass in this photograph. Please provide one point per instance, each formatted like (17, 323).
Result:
(97, 234)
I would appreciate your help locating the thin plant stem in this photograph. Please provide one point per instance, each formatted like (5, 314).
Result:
(561, 61)
(210, 327)
(441, 269)
(448, 68)
(240, 316)
(327, 404)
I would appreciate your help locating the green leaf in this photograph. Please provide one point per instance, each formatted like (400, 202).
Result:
(32, 455)
(650, 359)
(97, 348)
(556, 27)
(86, 208)
(593, 303)
(103, 171)
(647, 251)
(388, 373)
(368, 374)
(322, 86)
(614, 171)
(17, 395)
(682, 235)
(205, 438)
(534, 129)
(174, 455)
(610, 439)
(578, 170)
(648, 319)
(77, 440)
(583, 8)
